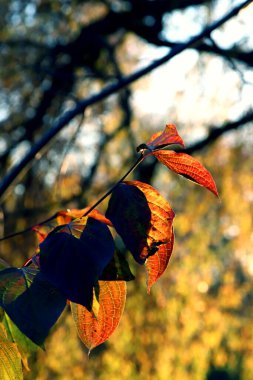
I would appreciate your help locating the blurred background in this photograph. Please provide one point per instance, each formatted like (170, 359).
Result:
(197, 322)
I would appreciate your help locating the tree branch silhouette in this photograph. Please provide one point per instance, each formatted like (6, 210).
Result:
(216, 132)
(109, 90)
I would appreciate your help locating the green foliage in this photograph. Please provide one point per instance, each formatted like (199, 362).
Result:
(10, 358)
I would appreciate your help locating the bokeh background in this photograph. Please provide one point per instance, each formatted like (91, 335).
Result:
(197, 321)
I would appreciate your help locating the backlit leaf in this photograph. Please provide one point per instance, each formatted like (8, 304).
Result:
(142, 217)
(25, 346)
(163, 139)
(157, 264)
(10, 359)
(73, 256)
(189, 167)
(32, 303)
(64, 217)
(94, 330)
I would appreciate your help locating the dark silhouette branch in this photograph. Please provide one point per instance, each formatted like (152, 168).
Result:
(216, 132)
(234, 53)
(109, 90)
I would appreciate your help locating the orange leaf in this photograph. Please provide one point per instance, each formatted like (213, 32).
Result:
(141, 216)
(161, 139)
(162, 214)
(157, 264)
(94, 327)
(64, 217)
(189, 167)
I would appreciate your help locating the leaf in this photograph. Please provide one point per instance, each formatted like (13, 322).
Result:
(189, 167)
(65, 217)
(157, 264)
(73, 256)
(117, 269)
(94, 330)
(32, 303)
(163, 139)
(142, 217)
(25, 346)
(10, 359)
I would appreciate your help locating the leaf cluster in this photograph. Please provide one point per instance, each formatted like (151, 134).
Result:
(76, 261)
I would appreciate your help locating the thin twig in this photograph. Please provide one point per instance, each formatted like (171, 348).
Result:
(28, 229)
(140, 158)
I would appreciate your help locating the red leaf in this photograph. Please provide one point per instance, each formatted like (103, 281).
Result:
(189, 167)
(157, 264)
(41, 232)
(161, 139)
(96, 326)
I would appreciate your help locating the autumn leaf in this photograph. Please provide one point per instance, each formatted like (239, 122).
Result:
(10, 358)
(163, 139)
(142, 217)
(65, 217)
(187, 166)
(157, 263)
(73, 256)
(180, 163)
(32, 303)
(95, 329)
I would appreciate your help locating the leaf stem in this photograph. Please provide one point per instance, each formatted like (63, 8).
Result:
(140, 158)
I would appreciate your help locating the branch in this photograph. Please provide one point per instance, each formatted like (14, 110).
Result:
(216, 132)
(231, 53)
(107, 91)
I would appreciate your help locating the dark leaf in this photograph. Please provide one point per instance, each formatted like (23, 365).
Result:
(117, 269)
(72, 257)
(65, 217)
(32, 303)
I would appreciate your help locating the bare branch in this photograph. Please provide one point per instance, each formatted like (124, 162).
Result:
(217, 132)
